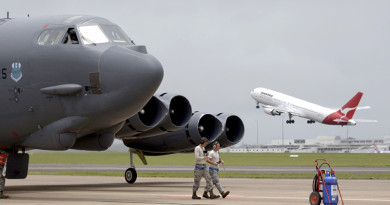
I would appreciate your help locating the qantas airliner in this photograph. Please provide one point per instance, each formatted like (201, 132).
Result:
(275, 103)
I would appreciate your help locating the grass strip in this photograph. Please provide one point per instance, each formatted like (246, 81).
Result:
(222, 175)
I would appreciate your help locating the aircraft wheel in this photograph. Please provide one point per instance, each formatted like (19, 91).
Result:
(130, 175)
(315, 198)
(292, 121)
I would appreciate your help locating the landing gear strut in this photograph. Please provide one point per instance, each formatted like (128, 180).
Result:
(131, 173)
(290, 121)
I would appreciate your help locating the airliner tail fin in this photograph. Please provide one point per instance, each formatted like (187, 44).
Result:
(349, 109)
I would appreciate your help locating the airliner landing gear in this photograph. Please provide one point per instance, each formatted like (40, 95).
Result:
(131, 173)
(290, 121)
(257, 106)
(310, 121)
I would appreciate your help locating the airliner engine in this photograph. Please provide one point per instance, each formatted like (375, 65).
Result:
(271, 111)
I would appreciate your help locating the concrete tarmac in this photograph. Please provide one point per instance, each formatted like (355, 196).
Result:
(96, 190)
(225, 169)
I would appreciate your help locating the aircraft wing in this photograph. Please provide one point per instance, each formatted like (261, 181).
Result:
(280, 110)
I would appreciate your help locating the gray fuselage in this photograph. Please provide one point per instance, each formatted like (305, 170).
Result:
(112, 79)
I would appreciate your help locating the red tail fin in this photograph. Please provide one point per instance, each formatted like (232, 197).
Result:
(349, 109)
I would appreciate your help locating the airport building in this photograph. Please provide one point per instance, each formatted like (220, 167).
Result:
(321, 144)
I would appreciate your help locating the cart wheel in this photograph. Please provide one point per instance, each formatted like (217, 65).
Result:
(315, 198)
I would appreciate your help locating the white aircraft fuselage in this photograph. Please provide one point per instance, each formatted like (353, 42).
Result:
(275, 103)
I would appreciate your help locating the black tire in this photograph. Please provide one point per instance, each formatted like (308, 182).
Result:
(130, 175)
(315, 198)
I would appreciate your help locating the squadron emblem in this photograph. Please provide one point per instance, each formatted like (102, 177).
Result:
(16, 73)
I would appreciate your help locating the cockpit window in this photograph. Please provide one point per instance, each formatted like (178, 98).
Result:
(50, 37)
(115, 34)
(70, 37)
(92, 35)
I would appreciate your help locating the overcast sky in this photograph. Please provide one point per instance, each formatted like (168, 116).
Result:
(215, 52)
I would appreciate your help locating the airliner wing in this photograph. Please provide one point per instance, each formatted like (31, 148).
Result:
(284, 110)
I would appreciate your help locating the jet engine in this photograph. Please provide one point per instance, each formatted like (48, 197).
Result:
(151, 115)
(178, 115)
(271, 111)
(232, 132)
(200, 125)
(163, 113)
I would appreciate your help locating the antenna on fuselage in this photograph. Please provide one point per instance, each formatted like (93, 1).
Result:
(7, 14)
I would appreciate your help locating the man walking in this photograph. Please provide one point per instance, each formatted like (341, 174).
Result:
(201, 170)
(214, 161)
(3, 160)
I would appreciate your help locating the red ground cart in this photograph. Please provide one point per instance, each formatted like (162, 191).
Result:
(326, 182)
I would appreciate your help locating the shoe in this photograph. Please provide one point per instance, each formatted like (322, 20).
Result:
(213, 196)
(194, 196)
(205, 195)
(225, 193)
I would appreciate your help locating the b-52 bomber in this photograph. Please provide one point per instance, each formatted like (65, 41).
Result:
(79, 82)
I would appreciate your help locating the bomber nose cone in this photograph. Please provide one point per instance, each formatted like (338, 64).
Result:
(128, 79)
(124, 68)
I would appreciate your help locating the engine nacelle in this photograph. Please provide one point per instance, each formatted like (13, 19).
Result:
(151, 115)
(200, 125)
(95, 142)
(232, 132)
(178, 115)
(271, 111)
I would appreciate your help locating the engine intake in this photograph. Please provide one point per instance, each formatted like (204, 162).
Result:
(151, 115)
(233, 130)
(271, 111)
(200, 125)
(178, 115)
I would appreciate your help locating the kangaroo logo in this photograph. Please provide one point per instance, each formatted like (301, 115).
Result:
(346, 110)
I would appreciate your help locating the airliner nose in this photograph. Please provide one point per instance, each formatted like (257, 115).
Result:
(253, 94)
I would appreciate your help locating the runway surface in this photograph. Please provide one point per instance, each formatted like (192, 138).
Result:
(41, 189)
(161, 168)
